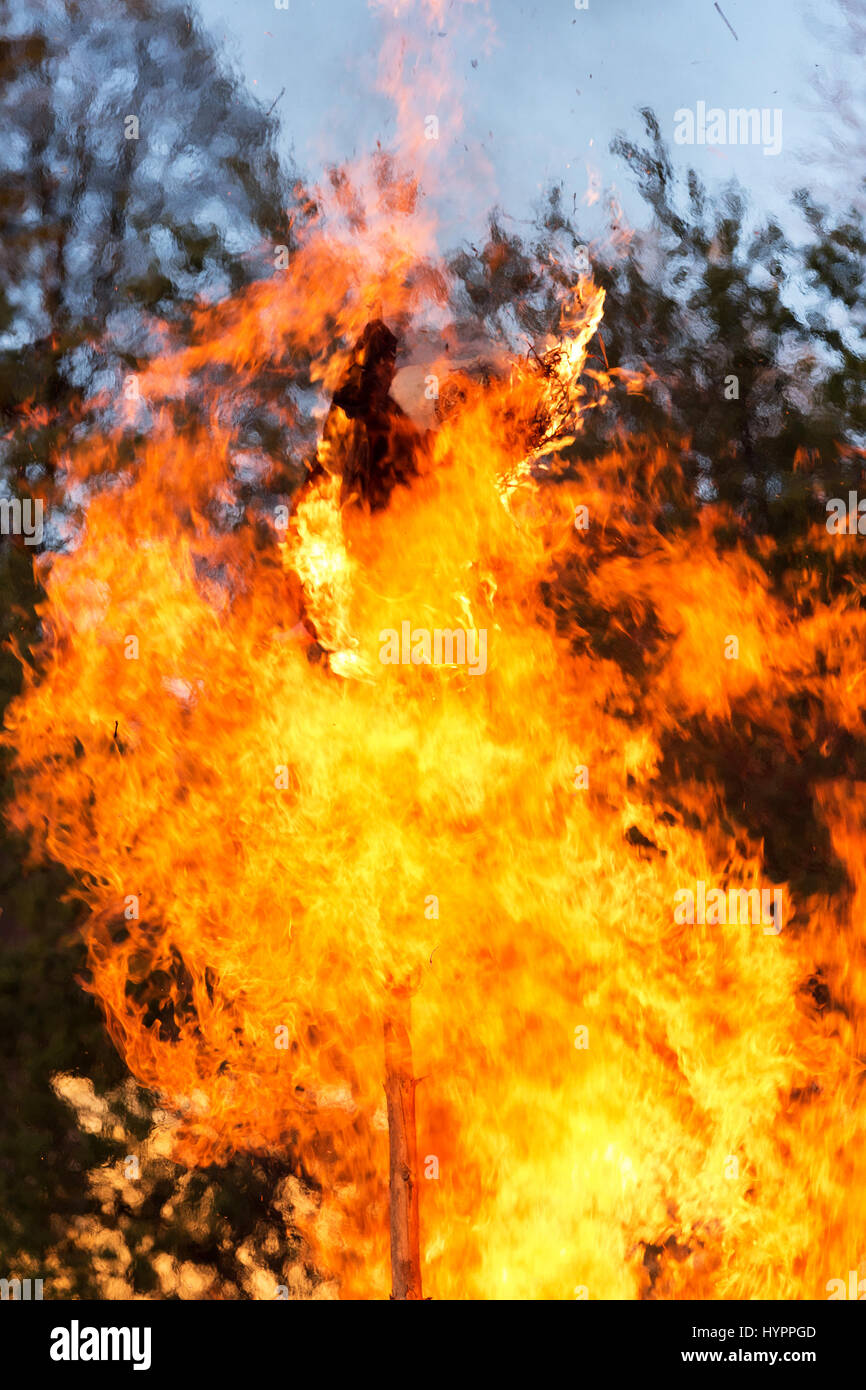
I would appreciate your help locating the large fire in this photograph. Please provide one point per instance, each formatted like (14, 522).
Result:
(287, 830)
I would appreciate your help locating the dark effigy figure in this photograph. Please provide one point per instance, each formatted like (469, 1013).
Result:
(368, 439)
(368, 444)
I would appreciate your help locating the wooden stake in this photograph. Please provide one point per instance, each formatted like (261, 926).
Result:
(400, 1095)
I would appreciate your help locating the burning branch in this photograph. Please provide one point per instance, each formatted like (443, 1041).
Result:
(400, 1095)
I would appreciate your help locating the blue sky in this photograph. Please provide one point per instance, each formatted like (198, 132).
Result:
(549, 90)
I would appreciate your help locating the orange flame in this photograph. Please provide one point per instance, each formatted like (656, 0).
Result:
(614, 1102)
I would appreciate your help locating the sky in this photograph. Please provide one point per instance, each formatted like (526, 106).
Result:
(544, 86)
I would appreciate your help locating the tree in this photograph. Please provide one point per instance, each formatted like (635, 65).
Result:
(102, 239)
